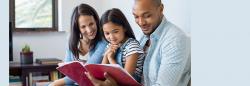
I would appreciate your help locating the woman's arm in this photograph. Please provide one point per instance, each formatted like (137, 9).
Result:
(59, 82)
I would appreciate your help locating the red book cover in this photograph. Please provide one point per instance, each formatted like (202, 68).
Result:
(75, 70)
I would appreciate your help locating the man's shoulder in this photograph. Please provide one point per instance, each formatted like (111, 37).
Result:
(174, 35)
(172, 31)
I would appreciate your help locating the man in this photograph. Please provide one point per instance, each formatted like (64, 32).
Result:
(167, 48)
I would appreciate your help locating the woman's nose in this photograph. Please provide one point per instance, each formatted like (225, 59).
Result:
(89, 30)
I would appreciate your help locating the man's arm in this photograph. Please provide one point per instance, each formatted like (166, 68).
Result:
(174, 57)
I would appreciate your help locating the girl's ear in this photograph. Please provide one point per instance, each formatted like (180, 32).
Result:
(125, 30)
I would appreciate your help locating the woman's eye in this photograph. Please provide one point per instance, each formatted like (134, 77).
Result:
(91, 24)
(82, 27)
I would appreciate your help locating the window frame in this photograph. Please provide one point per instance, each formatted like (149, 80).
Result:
(36, 29)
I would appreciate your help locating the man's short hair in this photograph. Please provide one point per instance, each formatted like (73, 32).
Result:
(156, 2)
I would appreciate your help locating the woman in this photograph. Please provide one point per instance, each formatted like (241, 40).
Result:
(85, 41)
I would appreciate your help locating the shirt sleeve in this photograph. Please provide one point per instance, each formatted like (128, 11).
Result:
(133, 46)
(69, 56)
(68, 81)
(96, 54)
(174, 57)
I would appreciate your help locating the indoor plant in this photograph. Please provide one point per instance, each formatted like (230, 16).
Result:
(26, 55)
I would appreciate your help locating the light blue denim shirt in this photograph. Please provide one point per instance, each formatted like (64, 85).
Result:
(167, 62)
(95, 57)
(95, 54)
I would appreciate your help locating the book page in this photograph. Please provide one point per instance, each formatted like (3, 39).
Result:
(120, 75)
(76, 71)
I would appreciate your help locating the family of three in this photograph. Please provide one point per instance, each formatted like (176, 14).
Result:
(160, 58)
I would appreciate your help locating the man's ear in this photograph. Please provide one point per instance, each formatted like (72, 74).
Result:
(161, 8)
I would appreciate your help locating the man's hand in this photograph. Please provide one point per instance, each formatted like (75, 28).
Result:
(108, 82)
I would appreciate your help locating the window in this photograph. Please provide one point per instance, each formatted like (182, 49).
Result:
(33, 15)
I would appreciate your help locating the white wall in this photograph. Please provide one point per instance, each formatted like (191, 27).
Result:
(53, 44)
(178, 12)
(50, 44)
(66, 8)
(43, 44)
(127, 11)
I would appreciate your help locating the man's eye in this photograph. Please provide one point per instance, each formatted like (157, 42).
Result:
(136, 17)
(147, 16)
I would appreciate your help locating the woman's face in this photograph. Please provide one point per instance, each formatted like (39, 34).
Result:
(87, 26)
(114, 33)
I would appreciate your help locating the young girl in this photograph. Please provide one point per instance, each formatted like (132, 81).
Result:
(123, 48)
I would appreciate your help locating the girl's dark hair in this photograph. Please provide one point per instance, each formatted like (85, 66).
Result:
(116, 16)
(74, 39)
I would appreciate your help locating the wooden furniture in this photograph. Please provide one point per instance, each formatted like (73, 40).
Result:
(24, 70)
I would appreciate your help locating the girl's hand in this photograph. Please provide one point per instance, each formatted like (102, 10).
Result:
(110, 53)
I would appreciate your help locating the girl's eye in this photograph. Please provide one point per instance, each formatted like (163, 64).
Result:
(115, 31)
(106, 33)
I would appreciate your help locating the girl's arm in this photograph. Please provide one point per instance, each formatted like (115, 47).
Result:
(131, 62)
(105, 59)
(112, 60)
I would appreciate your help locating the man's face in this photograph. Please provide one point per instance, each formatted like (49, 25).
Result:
(147, 15)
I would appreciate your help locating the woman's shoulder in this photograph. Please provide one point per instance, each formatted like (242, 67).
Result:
(99, 46)
(101, 42)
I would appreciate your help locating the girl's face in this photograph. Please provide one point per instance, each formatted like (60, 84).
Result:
(114, 33)
(87, 26)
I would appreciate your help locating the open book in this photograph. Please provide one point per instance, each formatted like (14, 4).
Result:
(75, 70)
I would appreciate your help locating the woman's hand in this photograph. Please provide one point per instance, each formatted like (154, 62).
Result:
(108, 82)
(60, 64)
